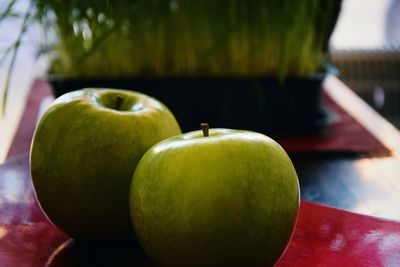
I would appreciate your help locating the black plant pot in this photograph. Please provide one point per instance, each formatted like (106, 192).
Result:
(260, 104)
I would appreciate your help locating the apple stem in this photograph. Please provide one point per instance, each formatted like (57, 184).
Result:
(118, 102)
(204, 127)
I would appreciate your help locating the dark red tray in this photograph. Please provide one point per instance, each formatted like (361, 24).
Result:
(324, 236)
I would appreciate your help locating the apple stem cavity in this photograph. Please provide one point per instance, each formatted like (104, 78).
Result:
(118, 102)
(205, 127)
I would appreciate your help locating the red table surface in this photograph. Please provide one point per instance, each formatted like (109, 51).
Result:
(324, 236)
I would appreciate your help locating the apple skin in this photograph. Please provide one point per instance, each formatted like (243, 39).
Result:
(230, 199)
(83, 156)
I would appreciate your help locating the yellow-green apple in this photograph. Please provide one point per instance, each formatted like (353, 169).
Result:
(83, 155)
(227, 199)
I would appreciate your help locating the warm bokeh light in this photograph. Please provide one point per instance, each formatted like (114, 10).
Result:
(378, 178)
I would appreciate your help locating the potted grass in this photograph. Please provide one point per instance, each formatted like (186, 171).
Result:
(254, 65)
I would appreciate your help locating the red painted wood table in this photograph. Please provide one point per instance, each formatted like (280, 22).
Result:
(324, 236)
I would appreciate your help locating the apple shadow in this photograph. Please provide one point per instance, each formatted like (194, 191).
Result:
(83, 254)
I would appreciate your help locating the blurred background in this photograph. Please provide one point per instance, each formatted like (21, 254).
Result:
(365, 47)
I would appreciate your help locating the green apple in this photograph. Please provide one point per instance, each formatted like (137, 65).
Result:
(83, 155)
(227, 199)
